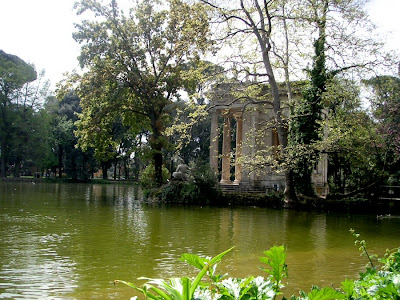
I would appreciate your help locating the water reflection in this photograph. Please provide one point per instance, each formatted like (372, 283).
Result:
(71, 241)
(32, 267)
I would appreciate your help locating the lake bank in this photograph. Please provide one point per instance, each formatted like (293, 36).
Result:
(353, 205)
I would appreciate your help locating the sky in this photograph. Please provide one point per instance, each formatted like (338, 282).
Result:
(40, 32)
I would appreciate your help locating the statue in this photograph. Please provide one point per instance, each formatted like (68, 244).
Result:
(180, 173)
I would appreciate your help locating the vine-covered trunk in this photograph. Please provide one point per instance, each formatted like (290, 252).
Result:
(306, 128)
(157, 155)
(156, 142)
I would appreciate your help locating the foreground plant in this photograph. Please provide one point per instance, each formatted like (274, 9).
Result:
(383, 283)
(218, 287)
(373, 284)
(179, 288)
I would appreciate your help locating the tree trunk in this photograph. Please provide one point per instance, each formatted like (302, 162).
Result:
(156, 147)
(136, 171)
(119, 170)
(104, 168)
(17, 168)
(3, 159)
(60, 160)
(126, 168)
(115, 168)
(158, 159)
(290, 194)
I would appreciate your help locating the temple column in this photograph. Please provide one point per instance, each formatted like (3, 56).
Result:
(239, 137)
(226, 150)
(253, 125)
(214, 142)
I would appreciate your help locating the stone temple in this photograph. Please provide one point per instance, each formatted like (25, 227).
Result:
(228, 159)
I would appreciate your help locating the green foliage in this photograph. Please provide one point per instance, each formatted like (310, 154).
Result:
(200, 188)
(386, 112)
(190, 131)
(275, 258)
(374, 283)
(362, 247)
(23, 125)
(147, 177)
(391, 260)
(136, 66)
(178, 288)
(77, 164)
(306, 123)
(350, 138)
(316, 293)
(14, 72)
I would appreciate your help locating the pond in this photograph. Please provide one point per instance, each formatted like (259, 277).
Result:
(70, 241)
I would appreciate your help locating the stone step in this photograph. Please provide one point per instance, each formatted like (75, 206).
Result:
(231, 188)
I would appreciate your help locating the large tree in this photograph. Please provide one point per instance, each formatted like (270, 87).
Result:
(342, 44)
(136, 61)
(71, 160)
(273, 38)
(18, 106)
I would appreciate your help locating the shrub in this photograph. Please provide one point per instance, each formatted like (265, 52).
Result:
(147, 177)
(201, 188)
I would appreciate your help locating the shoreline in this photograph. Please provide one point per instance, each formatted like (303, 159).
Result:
(380, 208)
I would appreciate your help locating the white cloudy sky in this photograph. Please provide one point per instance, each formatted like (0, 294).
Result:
(40, 31)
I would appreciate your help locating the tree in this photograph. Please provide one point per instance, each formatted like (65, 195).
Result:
(14, 73)
(386, 111)
(342, 43)
(77, 164)
(138, 61)
(256, 19)
(349, 140)
(23, 125)
(337, 49)
(190, 132)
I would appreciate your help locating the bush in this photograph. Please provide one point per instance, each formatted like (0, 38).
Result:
(147, 177)
(201, 188)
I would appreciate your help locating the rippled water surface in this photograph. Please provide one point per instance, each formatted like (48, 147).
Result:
(70, 241)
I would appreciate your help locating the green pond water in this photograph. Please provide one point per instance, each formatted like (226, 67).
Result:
(70, 241)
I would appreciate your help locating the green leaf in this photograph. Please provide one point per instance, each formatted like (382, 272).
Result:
(326, 293)
(206, 267)
(348, 287)
(194, 260)
(275, 257)
(141, 290)
(186, 288)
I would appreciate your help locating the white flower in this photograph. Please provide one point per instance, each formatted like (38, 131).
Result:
(205, 294)
(232, 287)
(264, 287)
(396, 280)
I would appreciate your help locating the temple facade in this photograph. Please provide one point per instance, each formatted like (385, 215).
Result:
(229, 159)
